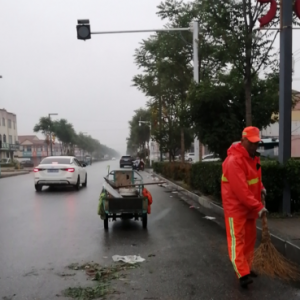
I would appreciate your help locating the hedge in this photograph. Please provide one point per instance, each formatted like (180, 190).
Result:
(206, 178)
(7, 165)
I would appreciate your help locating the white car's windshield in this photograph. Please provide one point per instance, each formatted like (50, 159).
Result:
(55, 160)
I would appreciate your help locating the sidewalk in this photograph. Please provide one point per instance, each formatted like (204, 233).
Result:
(13, 173)
(285, 232)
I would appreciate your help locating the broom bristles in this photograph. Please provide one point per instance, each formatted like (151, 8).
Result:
(268, 261)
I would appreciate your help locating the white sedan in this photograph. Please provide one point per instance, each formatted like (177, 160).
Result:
(60, 171)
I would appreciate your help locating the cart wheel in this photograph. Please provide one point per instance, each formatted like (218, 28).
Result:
(144, 220)
(106, 223)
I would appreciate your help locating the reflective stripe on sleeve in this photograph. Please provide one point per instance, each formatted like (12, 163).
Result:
(250, 182)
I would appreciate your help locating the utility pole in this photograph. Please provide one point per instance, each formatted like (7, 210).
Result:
(160, 128)
(285, 93)
(197, 143)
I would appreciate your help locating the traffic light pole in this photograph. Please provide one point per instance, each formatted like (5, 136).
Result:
(285, 94)
(84, 33)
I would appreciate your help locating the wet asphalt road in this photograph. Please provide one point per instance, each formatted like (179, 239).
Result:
(42, 233)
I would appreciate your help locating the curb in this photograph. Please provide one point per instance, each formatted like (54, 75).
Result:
(12, 175)
(285, 247)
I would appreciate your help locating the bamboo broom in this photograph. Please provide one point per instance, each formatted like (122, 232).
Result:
(268, 261)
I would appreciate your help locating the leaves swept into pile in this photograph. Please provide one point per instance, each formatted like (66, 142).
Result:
(102, 276)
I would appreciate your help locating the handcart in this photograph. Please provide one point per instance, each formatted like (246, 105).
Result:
(124, 196)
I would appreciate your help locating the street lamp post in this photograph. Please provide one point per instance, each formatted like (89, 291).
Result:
(84, 33)
(51, 150)
(0, 141)
(82, 151)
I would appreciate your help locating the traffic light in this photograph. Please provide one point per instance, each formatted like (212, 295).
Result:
(83, 30)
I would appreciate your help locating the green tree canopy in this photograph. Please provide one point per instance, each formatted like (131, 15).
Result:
(217, 109)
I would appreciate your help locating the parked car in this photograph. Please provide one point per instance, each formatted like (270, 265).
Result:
(60, 171)
(27, 163)
(126, 160)
(211, 157)
(190, 157)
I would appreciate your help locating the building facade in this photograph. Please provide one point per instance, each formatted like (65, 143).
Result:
(272, 131)
(35, 149)
(8, 135)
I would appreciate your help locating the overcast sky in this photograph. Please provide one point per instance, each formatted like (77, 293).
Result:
(46, 69)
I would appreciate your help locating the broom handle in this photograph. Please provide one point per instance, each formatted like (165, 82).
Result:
(265, 230)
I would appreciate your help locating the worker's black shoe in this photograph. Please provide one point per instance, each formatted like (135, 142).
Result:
(253, 274)
(245, 280)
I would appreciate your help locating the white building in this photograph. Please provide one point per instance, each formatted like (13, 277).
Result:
(272, 131)
(8, 134)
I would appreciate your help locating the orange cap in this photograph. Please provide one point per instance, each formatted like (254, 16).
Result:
(251, 133)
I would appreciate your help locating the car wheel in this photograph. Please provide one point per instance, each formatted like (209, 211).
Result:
(105, 221)
(85, 182)
(144, 220)
(77, 185)
(38, 187)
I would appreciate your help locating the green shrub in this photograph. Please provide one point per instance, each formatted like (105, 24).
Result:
(272, 178)
(206, 177)
(7, 165)
(174, 170)
(293, 178)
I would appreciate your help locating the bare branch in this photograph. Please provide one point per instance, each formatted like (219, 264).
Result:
(266, 55)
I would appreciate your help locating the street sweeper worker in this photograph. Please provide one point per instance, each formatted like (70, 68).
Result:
(242, 190)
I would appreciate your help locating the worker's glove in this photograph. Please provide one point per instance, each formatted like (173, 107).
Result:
(264, 210)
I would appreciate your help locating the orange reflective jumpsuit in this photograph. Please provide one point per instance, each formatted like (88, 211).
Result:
(241, 196)
(147, 194)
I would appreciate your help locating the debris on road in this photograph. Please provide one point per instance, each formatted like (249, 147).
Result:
(209, 218)
(102, 276)
(129, 259)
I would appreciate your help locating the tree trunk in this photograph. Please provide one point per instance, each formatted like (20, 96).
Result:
(248, 80)
(182, 144)
(248, 100)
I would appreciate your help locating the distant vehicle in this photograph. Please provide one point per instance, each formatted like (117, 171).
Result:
(211, 157)
(60, 171)
(138, 164)
(27, 164)
(113, 158)
(126, 160)
(5, 161)
(190, 157)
